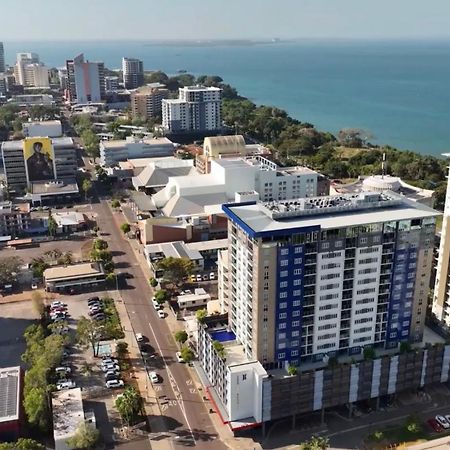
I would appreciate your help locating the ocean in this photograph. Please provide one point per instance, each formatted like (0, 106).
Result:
(398, 91)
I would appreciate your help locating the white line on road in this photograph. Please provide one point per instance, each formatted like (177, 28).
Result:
(177, 393)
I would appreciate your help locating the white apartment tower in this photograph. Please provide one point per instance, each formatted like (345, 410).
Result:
(29, 71)
(133, 73)
(197, 109)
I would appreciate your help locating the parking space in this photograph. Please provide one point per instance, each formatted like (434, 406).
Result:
(14, 319)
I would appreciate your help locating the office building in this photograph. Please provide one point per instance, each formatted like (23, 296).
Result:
(50, 128)
(441, 299)
(197, 109)
(111, 152)
(146, 102)
(111, 84)
(86, 80)
(133, 73)
(59, 158)
(328, 275)
(2, 58)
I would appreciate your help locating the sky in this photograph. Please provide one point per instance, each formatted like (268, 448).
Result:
(27, 20)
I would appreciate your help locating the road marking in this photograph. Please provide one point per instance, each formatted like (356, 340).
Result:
(157, 388)
(174, 385)
(164, 408)
(193, 390)
(188, 382)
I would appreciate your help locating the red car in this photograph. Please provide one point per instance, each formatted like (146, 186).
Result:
(434, 424)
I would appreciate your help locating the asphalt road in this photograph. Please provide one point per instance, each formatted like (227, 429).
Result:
(185, 414)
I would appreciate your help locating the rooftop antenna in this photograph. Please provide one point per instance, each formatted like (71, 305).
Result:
(383, 166)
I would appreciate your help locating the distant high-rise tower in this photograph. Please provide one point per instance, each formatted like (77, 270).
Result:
(2, 58)
(86, 80)
(21, 72)
(133, 73)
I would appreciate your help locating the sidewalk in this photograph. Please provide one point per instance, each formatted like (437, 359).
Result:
(225, 434)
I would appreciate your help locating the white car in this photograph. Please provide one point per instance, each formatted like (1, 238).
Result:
(107, 361)
(442, 421)
(139, 337)
(199, 278)
(111, 384)
(66, 384)
(108, 367)
(34, 286)
(154, 378)
(156, 305)
(63, 370)
(58, 304)
(161, 314)
(212, 276)
(179, 358)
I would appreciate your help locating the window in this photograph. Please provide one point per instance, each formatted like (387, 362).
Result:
(297, 293)
(295, 313)
(298, 250)
(297, 271)
(283, 284)
(364, 311)
(295, 323)
(282, 316)
(284, 262)
(297, 282)
(294, 343)
(281, 345)
(296, 303)
(325, 245)
(284, 251)
(244, 377)
(281, 355)
(298, 260)
(327, 326)
(294, 352)
(283, 305)
(283, 294)
(282, 326)
(281, 336)
(295, 333)
(283, 273)
(326, 287)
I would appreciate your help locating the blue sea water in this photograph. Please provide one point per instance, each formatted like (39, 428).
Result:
(399, 91)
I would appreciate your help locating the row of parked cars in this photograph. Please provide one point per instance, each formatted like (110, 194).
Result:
(111, 370)
(159, 308)
(205, 277)
(439, 423)
(96, 311)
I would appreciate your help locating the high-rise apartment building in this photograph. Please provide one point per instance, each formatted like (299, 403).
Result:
(146, 102)
(133, 73)
(86, 80)
(2, 58)
(441, 299)
(28, 71)
(197, 109)
(327, 275)
(111, 84)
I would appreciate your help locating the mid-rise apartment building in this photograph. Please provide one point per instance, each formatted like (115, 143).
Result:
(2, 58)
(197, 109)
(111, 84)
(328, 275)
(146, 102)
(133, 73)
(86, 80)
(14, 219)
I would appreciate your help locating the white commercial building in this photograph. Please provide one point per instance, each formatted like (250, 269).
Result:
(49, 128)
(197, 194)
(112, 152)
(197, 109)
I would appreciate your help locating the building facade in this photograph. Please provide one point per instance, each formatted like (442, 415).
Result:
(50, 128)
(197, 109)
(86, 80)
(111, 84)
(441, 299)
(22, 61)
(14, 219)
(146, 102)
(2, 58)
(133, 73)
(328, 275)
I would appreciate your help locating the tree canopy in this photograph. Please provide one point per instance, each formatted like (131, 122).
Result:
(129, 405)
(175, 269)
(86, 437)
(9, 269)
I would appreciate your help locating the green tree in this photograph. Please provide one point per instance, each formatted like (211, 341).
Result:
(129, 405)
(121, 349)
(162, 296)
(38, 266)
(115, 204)
(100, 244)
(9, 269)
(153, 282)
(369, 353)
(219, 348)
(52, 225)
(65, 259)
(125, 227)
(88, 333)
(315, 443)
(91, 143)
(85, 437)
(86, 186)
(35, 403)
(200, 315)
(175, 269)
(181, 336)
(22, 444)
(292, 370)
(187, 354)
(439, 196)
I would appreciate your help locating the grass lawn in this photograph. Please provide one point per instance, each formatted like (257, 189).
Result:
(348, 152)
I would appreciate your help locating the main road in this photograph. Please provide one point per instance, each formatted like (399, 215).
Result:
(185, 415)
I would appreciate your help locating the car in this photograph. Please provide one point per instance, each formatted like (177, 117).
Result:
(434, 424)
(56, 311)
(65, 384)
(193, 278)
(112, 384)
(154, 377)
(212, 276)
(57, 315)
(186, 292)
(139, 337)
(108, 360)
(95, 306)
(63, 370)
(205, 277)
(109, 367)
(156, 305)
(34, 286)
(99, 317)
(95, 311)
(92, 300)
(112, 375)
(57, 303)
(161, 314)
(442, 421)
(179, 358)
(198, 278)
(447, 418)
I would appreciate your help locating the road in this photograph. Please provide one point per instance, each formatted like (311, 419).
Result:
(185, 414)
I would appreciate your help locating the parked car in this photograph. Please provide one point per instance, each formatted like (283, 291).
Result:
(63, 370)
(205, 277)
(434, 424)
(111, 384)
(109, 367)
(198, 278)
(179, 358)
(447, 418)
(442, 421)
(112, 375)
(65, 384)
(193, 278)
(212, 276)
(154, 378)
(161, 314)
(95, 310)
(156, 305)
(139, 337)
(93, 300)
(99, 316)
(34, 285)
(57, 303)
(108, 360)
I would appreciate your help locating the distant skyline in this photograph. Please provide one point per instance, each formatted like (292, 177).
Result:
(216, 19)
